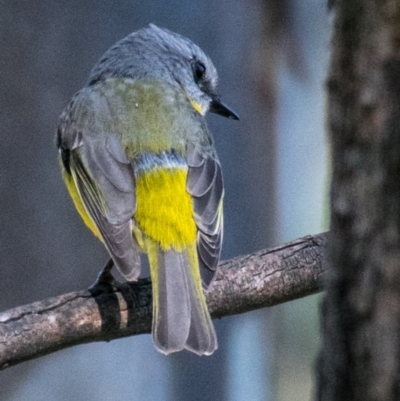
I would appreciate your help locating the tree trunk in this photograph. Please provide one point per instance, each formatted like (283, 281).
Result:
(360, 358)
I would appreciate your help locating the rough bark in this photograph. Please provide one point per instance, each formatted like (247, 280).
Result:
(265, 278)
(360, 357)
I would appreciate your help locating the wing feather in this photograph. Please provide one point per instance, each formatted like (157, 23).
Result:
(205, 184)
(104, 179)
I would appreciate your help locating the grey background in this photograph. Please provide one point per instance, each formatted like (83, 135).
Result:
(271, 57)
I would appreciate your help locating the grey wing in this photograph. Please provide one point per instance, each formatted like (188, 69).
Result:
(104, 180)
(205, 184)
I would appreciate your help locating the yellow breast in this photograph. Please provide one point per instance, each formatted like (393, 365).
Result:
(164, 208)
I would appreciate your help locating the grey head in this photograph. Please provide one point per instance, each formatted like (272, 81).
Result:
(158, 53)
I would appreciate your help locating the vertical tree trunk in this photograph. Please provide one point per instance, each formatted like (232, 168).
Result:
(360, 359)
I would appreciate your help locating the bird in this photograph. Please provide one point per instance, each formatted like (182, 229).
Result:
(140, 165)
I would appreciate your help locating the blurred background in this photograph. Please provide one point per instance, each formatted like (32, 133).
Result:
(272, 59)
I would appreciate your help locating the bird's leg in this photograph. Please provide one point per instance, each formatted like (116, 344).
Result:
(105, 278)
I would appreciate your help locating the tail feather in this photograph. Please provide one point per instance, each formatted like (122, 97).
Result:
(180, 316)
(171, 303)
(202, 339)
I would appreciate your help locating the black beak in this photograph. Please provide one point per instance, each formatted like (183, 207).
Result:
(218, 107)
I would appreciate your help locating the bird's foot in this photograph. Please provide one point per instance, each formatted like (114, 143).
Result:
(105, 280)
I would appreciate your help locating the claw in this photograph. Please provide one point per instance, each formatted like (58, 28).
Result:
(104, 280)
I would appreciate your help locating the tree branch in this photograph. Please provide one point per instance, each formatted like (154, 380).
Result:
(245, 283)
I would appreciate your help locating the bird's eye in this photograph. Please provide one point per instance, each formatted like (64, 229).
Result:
(199, 69)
